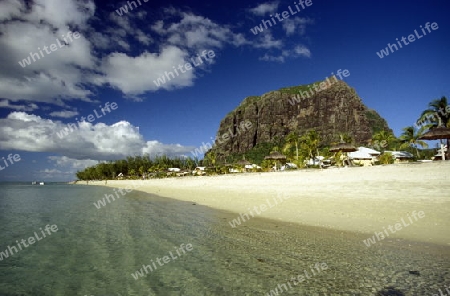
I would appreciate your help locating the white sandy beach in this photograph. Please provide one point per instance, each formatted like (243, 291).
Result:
(359, 199)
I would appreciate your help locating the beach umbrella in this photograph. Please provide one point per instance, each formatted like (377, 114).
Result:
(437, 133)
(275, 155)
(243, 162)
(344, 147)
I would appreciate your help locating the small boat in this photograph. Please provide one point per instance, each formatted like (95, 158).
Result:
(41, 183)
(33, 183)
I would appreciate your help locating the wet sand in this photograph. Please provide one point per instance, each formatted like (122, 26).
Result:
(322, 217)
(262, 255)
(361, 199)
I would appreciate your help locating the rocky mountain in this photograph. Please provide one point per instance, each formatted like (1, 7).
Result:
(330, 107)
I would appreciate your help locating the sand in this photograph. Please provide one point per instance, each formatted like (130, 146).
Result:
(403, 201)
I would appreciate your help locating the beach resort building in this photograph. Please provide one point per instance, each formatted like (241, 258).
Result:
(364, 156)
(401, 156)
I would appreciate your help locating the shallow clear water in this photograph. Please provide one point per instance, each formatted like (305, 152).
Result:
(95, 251)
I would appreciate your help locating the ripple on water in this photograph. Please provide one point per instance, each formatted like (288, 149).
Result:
(95, 252)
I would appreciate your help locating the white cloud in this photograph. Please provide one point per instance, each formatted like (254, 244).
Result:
(26, 132)
(155, 147)
(143, 37)
(301, 50)
(57, 76)
(64, 114)
(27, 108)
(107, 57)
(180, 39)
(10, 9)
(264, 8)
(298, 51)
(267, 41)
(135, 75)
(270, 58)
(291, 25)
(61, 14)
(71, 163)
(53, 174)
(193, 32)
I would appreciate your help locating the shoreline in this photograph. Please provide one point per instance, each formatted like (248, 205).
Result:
(360, 199)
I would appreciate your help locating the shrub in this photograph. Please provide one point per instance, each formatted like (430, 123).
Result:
(386, 158)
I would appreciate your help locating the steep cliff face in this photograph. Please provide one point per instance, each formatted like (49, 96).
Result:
(330, 107)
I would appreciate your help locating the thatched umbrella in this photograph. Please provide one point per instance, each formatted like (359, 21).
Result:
(275, 155)
(243, 162)
(344, 147)
(437, 133)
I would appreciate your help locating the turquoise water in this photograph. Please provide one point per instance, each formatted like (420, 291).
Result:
(96, 251)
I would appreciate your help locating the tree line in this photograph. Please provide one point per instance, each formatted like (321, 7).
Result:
(295, 146)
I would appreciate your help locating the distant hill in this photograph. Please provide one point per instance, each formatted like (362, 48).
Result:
(263, 119)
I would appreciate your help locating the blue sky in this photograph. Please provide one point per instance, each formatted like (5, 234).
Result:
(116, 58)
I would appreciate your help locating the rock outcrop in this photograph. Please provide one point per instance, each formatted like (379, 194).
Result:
(330, 107)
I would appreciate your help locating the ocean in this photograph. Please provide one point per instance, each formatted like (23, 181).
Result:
(55, 241)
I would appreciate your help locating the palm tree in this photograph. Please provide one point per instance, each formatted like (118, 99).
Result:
(438, 114)
(211, 157)
(438, 110)
(410, 138)
(345, 138)
(383, 139)
(309, 144)
(292, 140)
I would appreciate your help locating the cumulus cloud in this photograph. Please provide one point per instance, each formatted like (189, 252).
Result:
(99, 58)
(25, 132)
(108, 57)
(181, 39)
(65, 167)
(135, 75)
(57, 76)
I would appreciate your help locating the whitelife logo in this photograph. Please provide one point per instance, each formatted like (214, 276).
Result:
(263, 207)
(284, 15)
(380, 236)
(411, 38)
(12, 250)
(165, 259)
(71, 127)
(184, 68)
(124, 9)
(242, 127)
(12, 159)
(102, 202)
(434, 117)
(318, 87)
